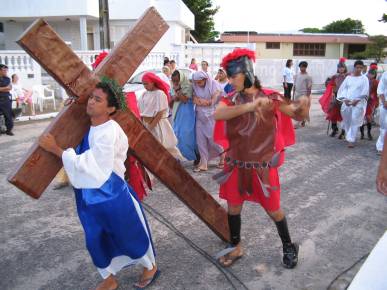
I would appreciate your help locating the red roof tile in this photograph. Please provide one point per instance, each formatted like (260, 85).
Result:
(296, 38)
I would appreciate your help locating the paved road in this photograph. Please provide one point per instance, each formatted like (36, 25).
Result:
(328, 192)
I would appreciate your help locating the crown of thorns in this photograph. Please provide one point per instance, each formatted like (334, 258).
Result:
(116, 90)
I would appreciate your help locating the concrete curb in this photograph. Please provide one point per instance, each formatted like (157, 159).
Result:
(36, 117)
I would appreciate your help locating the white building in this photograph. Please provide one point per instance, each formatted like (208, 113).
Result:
(77, 21)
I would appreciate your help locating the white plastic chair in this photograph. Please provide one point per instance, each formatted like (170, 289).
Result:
(39, 96)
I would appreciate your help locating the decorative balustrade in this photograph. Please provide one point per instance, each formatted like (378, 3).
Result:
(269, 71)
(17, 61)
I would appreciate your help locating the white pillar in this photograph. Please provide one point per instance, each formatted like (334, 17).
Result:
(83, 32)
(341, 52)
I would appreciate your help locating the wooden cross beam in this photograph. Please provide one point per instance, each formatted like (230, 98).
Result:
(37, 169)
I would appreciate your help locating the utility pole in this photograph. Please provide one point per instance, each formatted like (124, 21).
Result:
(357, 29)
(104, 30)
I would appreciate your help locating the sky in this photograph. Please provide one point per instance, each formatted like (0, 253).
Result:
(292, 15)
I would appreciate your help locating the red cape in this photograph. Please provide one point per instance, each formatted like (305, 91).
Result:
(332, 112)
(135, 174)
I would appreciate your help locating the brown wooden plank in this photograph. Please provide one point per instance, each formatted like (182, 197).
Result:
(37, 169)
(44, 45)
(163, 165)
(128, 54)
(57, 58)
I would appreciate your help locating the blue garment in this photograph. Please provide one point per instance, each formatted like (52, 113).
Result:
(184, 128)
(228, 88)
(4, 82)
(109, 218)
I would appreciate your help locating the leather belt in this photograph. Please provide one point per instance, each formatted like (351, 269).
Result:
(247, 164)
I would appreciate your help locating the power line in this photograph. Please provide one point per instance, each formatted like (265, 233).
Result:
(226, 272)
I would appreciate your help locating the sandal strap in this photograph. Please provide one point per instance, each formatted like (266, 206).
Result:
(224, 252)
(142, 284)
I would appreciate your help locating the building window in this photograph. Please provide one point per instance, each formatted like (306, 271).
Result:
(309, 49)
(1, 27)
(272, 45)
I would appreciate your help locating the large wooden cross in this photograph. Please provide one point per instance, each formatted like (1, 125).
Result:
(38, 168)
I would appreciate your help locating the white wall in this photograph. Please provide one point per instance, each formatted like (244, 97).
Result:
(174, 35)
(170, 10)
(2, 41)
(68, 31)
(12, 32)
(64, 18)
(45, 8)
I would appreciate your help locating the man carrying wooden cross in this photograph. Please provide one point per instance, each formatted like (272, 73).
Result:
(116, 230)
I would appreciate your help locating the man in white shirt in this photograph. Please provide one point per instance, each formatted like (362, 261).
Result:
(302, 87)
(381, 178)
(221, 78)
(353, 93)
(165, 75)
(382, 93)
(288, 79)
(204, 66)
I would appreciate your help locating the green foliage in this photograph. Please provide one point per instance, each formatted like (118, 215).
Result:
(375, 50)
(311, 30)
(204, 19)
(384, 18)
(345, 26)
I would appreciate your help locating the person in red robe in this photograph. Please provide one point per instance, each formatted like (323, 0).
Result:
(257, 127)
(329, 104)
(372, 102)
(136, 174)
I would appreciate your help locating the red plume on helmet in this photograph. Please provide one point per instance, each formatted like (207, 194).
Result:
(237, 53)
(373, 67)
(99, 59)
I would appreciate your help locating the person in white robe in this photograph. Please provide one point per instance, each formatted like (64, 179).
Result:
(153, 106)
(353, 93)
(382, 93)
(116, 231)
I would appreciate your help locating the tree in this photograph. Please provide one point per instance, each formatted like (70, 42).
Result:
(345, 26)
(375, 50)
(204, 19)
(311, 30)
(384, 18)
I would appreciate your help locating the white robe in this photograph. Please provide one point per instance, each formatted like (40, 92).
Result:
(353, 88)
(382, 90)
(91, 169)
(150, 103)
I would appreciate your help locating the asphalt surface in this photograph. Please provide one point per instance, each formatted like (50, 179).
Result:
(328, 193)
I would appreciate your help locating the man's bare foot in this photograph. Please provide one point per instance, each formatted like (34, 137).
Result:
(110, 283)
(230, 258)
(146, 277)
(60, 185)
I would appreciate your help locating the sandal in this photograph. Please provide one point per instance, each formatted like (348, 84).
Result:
(142, 284)
(220, 165)
(198, 169)
(229, 259)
